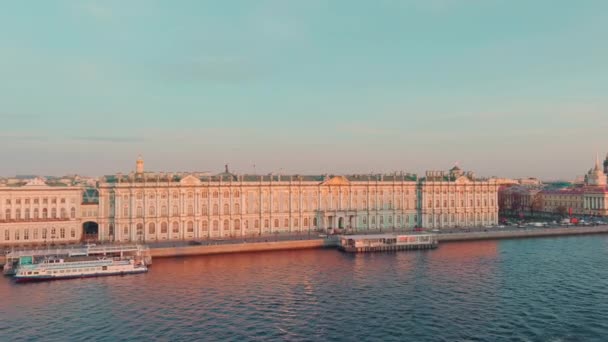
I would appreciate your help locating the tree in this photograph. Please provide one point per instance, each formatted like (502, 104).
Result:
(537, 203)
(561, 210)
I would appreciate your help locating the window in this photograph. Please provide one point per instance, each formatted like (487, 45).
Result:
(26, 234)
(205, 226)
(226, 225)
(140, 212)
(204, 210)
(226, 209)
(73, 212)
(126, 231)
(54, 213)
(36, 213)
(163, 228)
(237, 208)
(7, 235)
(72, 233)
(175, 211)
(215, 194)
(111, 230)
(17, 214)
(190, 210)
(266, 223)
(125, 211)
(215, 209)
(286, 223)
(216, 225)
(16, 234)
(140, 229)
(256, 224)
(35, 234)
(27, 213)
(226, 194)
(296, 223)
(163, 210)
(62, 233)
(314, 222)
(64, 213)
(190, 227)
(44, 233)
(152, 228)
(276, 223)
(237, 224)
(175, 227)
(237, 193)
(152, 211)
(306, 222)
(204, 194)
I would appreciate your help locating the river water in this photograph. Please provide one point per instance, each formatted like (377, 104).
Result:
(549, 289)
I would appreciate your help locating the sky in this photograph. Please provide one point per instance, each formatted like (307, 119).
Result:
(509, 88)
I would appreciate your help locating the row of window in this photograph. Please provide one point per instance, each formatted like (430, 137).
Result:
(462, 203)
(37, 214)
(237, 194)
(451, 218)
(24, 233)
(44, 200)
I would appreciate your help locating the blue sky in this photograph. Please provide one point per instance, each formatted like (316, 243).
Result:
(504, 87)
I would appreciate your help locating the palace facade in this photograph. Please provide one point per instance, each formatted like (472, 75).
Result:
(149, 206)
(35, 213)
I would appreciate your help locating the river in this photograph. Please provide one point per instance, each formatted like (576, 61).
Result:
(545, 289)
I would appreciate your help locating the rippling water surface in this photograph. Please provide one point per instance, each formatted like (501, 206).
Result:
(553, 289)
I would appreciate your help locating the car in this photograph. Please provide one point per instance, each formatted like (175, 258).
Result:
(501, 226)
(435, 231)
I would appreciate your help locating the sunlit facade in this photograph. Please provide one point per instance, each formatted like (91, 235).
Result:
(35, 213)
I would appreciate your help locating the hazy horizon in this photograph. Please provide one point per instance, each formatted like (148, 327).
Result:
(503, 88)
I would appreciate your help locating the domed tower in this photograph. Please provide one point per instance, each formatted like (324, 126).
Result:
(139, 165)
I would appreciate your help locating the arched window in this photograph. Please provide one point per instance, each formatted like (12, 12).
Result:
(286, 223)
(246, 224)
(190, 227)
(237, 224)
(215, 194)
(216, 225)
(373, 219)
(7, 214)
(72, 212)
(276, 223)
(226, 225)
(175, 211)
(163, 228)
(314, 222)
(125, 231)
(205, 225)
(140, 229)
(190, 210)
(256, 224)
(215, 210)
(111, 230)
(226, 194)
(152, 211)
(36, 213)
(63, 213)
(151, 228)
(27, 213)
(226, 209)
(266, 223)
(237, 208)
(163, 210)
(204, 210)
(53, 213)
(296, 223)
(140, 212)
(125, 211)
(306, 222)
(176, 227)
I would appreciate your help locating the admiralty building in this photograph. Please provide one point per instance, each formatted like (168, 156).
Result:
(147, 206)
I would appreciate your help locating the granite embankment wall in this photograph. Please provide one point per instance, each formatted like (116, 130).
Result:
(166, 252)
(523, 233)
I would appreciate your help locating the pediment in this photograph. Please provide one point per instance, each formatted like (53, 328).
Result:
(190, 180)
(337, 180)
(463, 179)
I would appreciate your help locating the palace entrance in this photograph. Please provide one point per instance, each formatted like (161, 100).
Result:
(90, 231)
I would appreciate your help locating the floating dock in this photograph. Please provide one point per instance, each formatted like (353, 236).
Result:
(386, 242)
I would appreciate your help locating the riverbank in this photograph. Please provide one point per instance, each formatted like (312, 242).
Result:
(183, 249)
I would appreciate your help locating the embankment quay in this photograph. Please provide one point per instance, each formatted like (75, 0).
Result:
(292, 242)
